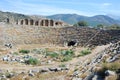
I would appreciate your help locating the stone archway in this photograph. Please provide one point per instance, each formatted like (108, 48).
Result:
(42, 23)
(51, 23)
(36, 23)
(31, 22)
(72, 43)
(7, 20)
(21, 22)
(56, 23)
(26, 21)
(46, 22)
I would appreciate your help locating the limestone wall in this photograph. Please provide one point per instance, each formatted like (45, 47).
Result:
(24, 34)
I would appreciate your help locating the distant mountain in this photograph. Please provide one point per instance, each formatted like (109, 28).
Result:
(68, 18)
(92, 21)
(114, 16)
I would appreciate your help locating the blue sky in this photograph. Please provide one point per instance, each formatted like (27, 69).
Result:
(50, 7)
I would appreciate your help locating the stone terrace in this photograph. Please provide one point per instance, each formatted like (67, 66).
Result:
(30, 34)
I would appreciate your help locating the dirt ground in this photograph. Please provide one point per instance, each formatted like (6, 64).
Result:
(23, 67)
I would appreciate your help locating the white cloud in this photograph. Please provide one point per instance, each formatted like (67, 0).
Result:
(29, 8)
(47, 7)
(106, 4)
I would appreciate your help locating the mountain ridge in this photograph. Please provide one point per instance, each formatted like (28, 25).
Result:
(68, 18)
(92, 21)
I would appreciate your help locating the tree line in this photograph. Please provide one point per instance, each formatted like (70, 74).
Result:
(98, 26)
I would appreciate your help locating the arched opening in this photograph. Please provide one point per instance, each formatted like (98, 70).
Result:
(7, 20)
(21, 22)
(56, 23)
(71, 43)
(46, 22)
(31, 22)
(26, 21)
(36, 23)
(41, 23)
(51, 22)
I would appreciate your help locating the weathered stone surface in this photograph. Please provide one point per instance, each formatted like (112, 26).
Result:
(108, 72)
(44, 70)
(18, 34)
(31, 74)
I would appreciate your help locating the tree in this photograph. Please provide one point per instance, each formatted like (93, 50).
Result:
(81, 23)
(114, 27)
(100, 26)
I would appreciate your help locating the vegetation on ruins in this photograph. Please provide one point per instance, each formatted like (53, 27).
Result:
(67, 53)
(111, 66)
(64, 55)
(113, 27)
(32, 61)
(52, 54)
(115, 66)
(39, 51)
(110, 27)
(15, 53)
(66, 58)
(81, 23)
(85, 52)
(100, 26)
(24, 51)
(62, 65)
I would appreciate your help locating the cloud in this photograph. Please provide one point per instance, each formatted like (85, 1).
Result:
(43, 9)
(49, 7)
(106, 4)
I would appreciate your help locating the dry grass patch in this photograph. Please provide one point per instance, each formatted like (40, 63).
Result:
(48, 76)
(111, 78)
(111, 66)
(18, 77)
(83, 75)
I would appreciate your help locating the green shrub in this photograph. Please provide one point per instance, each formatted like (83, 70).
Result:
(32, 61)
(62, 65)
(52, 54)
(66, 58)
(24, 51)
(39, 51)
(15, 53)
(67, 53)
(85, 52)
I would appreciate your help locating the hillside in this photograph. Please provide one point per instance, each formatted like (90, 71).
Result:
(11, 15)
(92, 21)
(68, 18)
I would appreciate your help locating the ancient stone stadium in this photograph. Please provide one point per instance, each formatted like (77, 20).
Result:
(29, 31)
(46, 49)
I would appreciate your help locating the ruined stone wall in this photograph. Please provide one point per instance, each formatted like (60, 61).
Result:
(24, 34)
(40, 22)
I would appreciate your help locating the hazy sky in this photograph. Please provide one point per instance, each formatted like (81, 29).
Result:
(49, 7)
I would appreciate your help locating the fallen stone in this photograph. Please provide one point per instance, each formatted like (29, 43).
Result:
(44, 70)
(53, 69)
(108, 72)
(31, 74)
(58, 69)
(10, 75)
(35, 70)
(111, 59)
